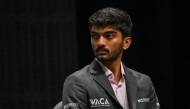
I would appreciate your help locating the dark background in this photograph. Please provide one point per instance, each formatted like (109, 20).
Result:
(42, 42)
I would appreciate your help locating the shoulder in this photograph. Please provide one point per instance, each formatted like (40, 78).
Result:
(79, 75)
(139, 76)
(82, 72)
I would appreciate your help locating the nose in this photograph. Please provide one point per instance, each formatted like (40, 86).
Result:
(101, 41)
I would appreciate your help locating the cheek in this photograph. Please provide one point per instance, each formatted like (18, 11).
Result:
(93, 45)
(116, 47)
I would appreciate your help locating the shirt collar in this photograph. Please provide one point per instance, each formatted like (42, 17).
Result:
(107, 71)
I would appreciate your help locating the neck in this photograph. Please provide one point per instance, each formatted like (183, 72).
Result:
(115, 67)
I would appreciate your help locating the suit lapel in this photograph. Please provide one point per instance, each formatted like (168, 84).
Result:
(102, 80)
(131, 85)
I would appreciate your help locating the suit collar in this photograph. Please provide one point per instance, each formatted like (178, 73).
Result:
(131, 85)
(102, 80)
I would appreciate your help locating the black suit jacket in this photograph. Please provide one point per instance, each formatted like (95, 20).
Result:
(89, 88)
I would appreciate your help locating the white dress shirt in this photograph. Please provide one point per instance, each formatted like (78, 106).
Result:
(118, 88)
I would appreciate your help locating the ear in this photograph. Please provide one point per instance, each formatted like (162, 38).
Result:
(126, 42)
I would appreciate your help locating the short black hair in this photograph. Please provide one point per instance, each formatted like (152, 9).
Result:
(112, 17)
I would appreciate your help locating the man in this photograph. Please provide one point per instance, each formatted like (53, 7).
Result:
(107, 83)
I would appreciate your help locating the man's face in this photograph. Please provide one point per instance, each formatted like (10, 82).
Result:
(107, 43)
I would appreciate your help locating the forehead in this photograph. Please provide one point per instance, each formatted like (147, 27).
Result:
(103, 28)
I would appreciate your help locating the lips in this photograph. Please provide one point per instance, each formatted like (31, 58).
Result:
(100, 49)
(102, 52)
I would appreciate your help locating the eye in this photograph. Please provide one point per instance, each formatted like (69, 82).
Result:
(94, 36)
(110, 35)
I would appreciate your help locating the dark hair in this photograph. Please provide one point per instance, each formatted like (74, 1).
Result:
(112, 17)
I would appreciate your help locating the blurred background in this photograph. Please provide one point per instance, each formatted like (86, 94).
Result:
(43, 41)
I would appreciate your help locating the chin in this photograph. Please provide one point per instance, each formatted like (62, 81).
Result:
(105, 58)
(102, 58)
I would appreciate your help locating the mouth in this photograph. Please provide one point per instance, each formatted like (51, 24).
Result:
(101, 52)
